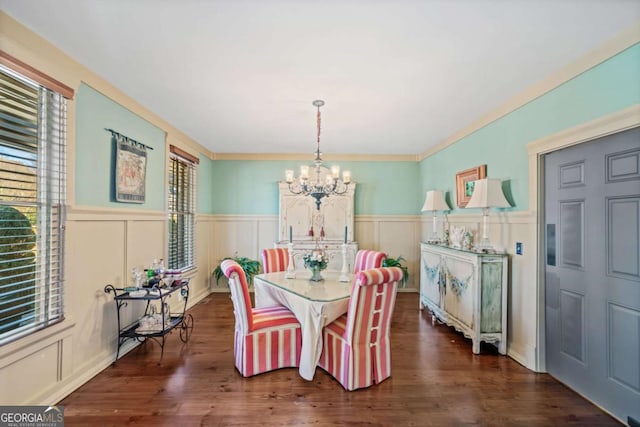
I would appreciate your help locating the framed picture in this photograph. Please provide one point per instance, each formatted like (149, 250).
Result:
(131, 169)
(465, 181)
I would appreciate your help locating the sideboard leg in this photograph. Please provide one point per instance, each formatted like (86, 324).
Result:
(502, 347)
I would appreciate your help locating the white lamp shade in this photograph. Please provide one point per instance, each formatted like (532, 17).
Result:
(435, 201)
(487, 193)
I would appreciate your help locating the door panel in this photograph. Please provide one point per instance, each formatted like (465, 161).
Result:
(623, 217)
(592, 270)
(572, 233)
(623, 354)
(572, 324)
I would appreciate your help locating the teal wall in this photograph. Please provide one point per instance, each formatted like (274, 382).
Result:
(251, 187)
(205, 198)
(611, 86)
(94, 157)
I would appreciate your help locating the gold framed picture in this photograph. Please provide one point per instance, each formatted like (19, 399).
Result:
(465, 181)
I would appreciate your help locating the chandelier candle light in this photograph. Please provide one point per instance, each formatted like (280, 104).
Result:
(313, 185)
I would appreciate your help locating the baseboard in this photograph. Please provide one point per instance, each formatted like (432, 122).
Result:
(195, 299)
(92, 368)
(408, 290)
(88, 370)
(524, 356)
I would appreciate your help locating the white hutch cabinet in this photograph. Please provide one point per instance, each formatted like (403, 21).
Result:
(299, 214)
(466, 290)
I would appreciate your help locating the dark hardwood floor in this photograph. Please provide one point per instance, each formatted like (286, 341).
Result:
(435, 381)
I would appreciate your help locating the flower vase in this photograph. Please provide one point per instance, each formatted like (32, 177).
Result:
(315, 274)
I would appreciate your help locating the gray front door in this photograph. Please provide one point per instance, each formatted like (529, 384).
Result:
(592, 273)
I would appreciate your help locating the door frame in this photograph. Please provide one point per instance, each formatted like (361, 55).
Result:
(619, 121)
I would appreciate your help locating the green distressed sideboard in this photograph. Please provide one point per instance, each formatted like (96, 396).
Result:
(466, 290)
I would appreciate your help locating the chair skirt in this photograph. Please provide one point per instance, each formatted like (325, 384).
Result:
(354, 366)
(274, 343)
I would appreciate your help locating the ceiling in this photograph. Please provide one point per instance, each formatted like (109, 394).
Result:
(397, 76)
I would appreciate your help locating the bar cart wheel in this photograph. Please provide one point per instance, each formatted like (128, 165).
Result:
(186, 327)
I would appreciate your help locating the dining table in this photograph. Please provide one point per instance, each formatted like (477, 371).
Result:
(315, 305)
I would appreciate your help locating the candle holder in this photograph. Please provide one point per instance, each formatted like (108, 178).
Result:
(291, 272)
(344, 272)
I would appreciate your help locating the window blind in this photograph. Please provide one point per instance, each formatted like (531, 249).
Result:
(32, 194)
(181, 212)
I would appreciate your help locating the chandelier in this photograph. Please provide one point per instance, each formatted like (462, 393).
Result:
(315, 180)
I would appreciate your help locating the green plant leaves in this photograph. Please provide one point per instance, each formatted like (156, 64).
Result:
(250, 266)
(399, 262)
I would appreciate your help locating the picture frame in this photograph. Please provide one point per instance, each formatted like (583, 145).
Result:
(464, 183)
(131, 168)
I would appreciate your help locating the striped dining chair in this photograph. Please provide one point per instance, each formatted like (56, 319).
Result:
(276, 259)
(266, 338)
(366, 259)
(356, 347)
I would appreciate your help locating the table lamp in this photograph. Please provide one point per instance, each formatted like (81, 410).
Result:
(487, 193)
(434, 202)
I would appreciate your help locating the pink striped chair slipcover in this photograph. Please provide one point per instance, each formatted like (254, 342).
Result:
(366, 259)
(275, 259)
(356, 349)
(265, 338)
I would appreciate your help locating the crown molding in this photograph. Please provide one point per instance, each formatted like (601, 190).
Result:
(619, 43)
(308, 157)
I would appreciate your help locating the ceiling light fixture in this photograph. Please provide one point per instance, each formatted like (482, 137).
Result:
(322, 182)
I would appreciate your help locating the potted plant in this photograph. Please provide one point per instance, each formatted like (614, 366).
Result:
(399, 262)
(250, 266)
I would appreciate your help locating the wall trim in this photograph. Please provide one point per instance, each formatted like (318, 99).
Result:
(36, 75)
(617, 44)
(495, 217)
(521, 355)
(88, 370)
(361, 218)
(108, 214)
(327, 157)
(32, 343)
(386, 218)
(232, 217)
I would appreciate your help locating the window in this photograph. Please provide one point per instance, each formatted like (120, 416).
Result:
(32, 196)
(182, 209)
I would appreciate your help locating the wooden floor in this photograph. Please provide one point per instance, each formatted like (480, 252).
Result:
(435, 381)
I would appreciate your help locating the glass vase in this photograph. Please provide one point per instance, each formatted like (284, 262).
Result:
(315, 274)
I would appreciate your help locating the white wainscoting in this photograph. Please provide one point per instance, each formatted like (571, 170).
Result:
(246, 235)
(103, 246)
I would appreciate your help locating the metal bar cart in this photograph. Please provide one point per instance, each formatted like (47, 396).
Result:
(165, 322)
